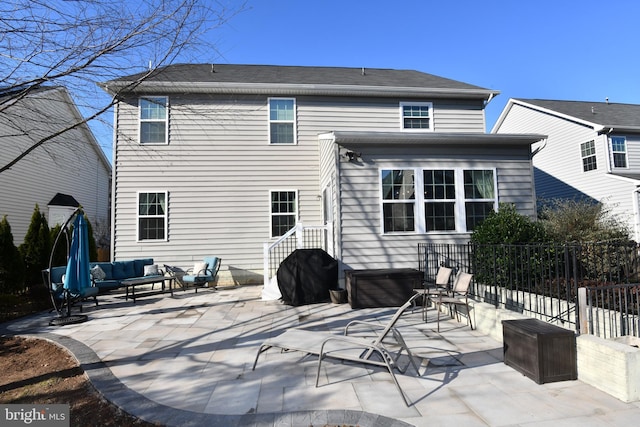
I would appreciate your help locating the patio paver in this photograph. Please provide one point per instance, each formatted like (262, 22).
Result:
(186, 360)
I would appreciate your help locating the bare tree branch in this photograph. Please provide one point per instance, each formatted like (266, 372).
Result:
(79, 43)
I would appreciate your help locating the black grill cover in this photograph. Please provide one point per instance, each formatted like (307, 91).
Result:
(305, 277)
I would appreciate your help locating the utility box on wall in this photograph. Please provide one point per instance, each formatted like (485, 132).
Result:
(381, 287)
(541, 351)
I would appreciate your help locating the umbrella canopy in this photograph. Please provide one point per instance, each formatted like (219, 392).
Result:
(78, 276)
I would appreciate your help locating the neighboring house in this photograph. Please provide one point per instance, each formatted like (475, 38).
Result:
(71, 164)
(592, 151)
(218, 160)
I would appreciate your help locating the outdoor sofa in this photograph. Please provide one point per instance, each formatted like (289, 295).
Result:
(112, 274)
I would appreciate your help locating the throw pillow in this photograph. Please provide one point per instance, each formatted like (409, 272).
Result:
(151, 270)
(98, 273)
(200, 269)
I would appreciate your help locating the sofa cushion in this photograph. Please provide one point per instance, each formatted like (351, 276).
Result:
(106, 267)
(57, 273)
(199, 269)
(139, 264)
(151, 270)
(108, 284)
(123, 270)
(98, 273)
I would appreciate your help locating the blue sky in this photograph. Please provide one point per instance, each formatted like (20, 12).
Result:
(554, 49)
(583, 50)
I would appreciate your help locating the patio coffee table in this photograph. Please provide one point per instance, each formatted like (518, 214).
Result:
(132, 283)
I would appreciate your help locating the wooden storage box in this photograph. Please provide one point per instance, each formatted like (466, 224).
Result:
(381, 287)
(541, 351)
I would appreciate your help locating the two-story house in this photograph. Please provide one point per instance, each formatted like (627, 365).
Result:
(219, 159)
(592, 151)
(70, 166)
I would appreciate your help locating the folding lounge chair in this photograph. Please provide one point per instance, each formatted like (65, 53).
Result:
(441, 285)
(458, 295)
(352, 348)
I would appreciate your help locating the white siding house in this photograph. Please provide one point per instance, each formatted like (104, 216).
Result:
(217, 160)
(71, 164)
(592, 151)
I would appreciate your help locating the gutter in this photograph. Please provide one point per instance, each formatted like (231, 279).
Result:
(636, 214)
(114, 87)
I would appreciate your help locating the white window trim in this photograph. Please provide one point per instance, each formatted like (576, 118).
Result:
(595, 155)
(165, 216)
(419, 200)
(419, 104)
(165, 120)
(271, 214)
(626, 152)
(294, 121)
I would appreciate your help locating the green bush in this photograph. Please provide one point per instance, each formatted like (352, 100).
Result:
(507, 226)
(497, 257)
(11, 266)
(36, 249)
(580, 221)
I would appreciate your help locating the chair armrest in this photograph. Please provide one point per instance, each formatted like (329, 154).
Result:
(372, 325)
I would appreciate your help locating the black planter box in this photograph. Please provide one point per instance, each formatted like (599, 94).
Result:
(381, 287)
(541, 351)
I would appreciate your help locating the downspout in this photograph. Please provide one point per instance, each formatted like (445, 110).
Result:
(636, 214)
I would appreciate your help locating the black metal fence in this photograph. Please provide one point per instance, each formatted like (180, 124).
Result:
(542, 279)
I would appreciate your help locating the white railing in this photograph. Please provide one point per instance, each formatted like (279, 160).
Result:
(299, 237)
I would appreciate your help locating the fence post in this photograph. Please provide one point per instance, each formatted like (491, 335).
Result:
(300, 235)
(582, 311)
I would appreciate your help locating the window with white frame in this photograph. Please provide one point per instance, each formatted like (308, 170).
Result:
(398, 200)
(619, 151)
(284, 211)
(588, 154)
(152, 216)
(282, 121)
(439, 199)
(479, 196)
(416, 116)
(153, 120)
(452, 199)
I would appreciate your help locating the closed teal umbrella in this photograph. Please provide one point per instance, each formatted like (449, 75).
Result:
(78, 275)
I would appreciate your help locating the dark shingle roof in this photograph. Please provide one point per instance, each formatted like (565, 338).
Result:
(602, 113)
(230, 73)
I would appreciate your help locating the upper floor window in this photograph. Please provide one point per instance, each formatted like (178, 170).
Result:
(282, 121)
(153, 120)
(451, 200)
(152, 216)
(284, 212)
(588, 153)
(619, 151)
(416, 116)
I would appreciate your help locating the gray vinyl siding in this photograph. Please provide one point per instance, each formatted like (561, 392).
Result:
(69, 164)
(558, 165)
(218, 169)
(364, 246)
